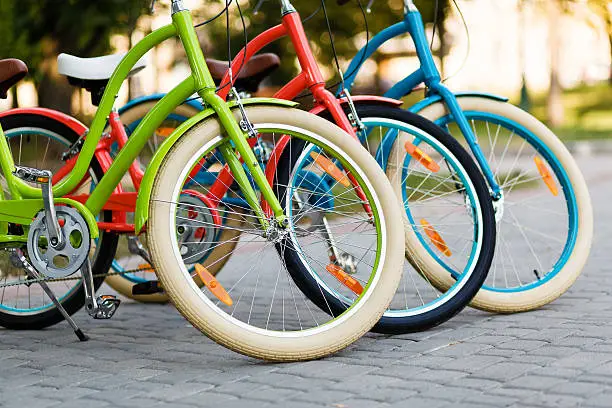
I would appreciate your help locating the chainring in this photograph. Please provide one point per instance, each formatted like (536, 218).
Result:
(59, 262)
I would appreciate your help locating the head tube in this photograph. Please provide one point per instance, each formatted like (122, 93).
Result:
(409, 6)
(176, 6)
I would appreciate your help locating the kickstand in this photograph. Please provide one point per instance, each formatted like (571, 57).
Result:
(33, 273)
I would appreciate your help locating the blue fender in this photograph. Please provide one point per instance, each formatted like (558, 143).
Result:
(194, 103)
(430, 100)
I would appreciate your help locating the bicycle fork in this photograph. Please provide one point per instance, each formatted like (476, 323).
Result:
(239, 134)
(462, 122)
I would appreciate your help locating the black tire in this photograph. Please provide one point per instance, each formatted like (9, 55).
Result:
(405, 324)
(107, 243)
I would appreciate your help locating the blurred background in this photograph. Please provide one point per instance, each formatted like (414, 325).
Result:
(552, 57)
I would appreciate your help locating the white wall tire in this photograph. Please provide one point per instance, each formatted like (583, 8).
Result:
(255, 342)
(520, 301)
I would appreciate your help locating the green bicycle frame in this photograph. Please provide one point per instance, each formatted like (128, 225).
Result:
(199, 81)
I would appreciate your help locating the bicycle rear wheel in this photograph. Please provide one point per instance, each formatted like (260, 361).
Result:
(39, 141)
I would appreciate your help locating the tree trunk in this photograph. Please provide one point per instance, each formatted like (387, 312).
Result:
(441, 30)
(609, 30)
(14, 97)
(610, 74)
(555, 103)
(54, 92)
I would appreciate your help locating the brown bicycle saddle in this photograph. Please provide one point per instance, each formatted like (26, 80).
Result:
(11, 71)
(253, 72)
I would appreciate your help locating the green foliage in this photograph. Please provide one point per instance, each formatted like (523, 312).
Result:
(37, 29)
(587, 112)
(347, 25)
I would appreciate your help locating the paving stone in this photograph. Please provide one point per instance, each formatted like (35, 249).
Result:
(536, 382)
(504, 370)
(555, 400)
(149, 356)
(601, 400)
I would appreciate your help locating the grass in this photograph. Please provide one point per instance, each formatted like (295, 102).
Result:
(588, 112)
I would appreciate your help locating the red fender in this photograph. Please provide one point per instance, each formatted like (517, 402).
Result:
(317, 110)
(119, 203)
(67, 120)
(364, 99)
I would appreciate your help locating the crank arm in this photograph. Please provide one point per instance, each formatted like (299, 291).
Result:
(135, 247)
(88, 284)
(43, 178)
(329, 238)
(102, 307)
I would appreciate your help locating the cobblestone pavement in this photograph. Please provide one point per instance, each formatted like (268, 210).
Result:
(560, 355)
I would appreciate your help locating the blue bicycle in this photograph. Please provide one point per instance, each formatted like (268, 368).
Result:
(543, 209)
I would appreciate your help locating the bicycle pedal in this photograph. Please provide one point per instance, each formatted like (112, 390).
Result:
(147, 288)
(32, 175)
(107, 306)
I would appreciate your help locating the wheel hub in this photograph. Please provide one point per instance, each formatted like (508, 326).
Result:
(196, 228)
(275, 233)
(498, 207)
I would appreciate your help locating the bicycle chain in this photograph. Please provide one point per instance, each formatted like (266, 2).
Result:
(68, 278)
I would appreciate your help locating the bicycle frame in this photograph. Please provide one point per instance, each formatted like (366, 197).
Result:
(120, 202)
(428, 74)
(27, 200)
(309, 78)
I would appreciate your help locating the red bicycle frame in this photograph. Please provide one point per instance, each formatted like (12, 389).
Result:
(120, 202)
(310, 78)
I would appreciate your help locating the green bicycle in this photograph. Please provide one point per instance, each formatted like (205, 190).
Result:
(49, 236)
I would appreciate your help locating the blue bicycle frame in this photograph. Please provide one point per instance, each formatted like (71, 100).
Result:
(428, 74)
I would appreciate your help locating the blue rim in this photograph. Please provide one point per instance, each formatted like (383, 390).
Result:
(418, 233)
(551, 159)
(472, 260)
(443, 298)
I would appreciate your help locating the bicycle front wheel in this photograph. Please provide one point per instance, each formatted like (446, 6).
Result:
(448, 218)
(545, 218)
(254, 307)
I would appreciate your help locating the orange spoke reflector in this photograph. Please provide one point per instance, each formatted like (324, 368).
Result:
(546, 176)
(330, 168)
(422, 157)
(213, 285)
(164, 131)
(435, 238)
(345, 279)
(146, 267)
